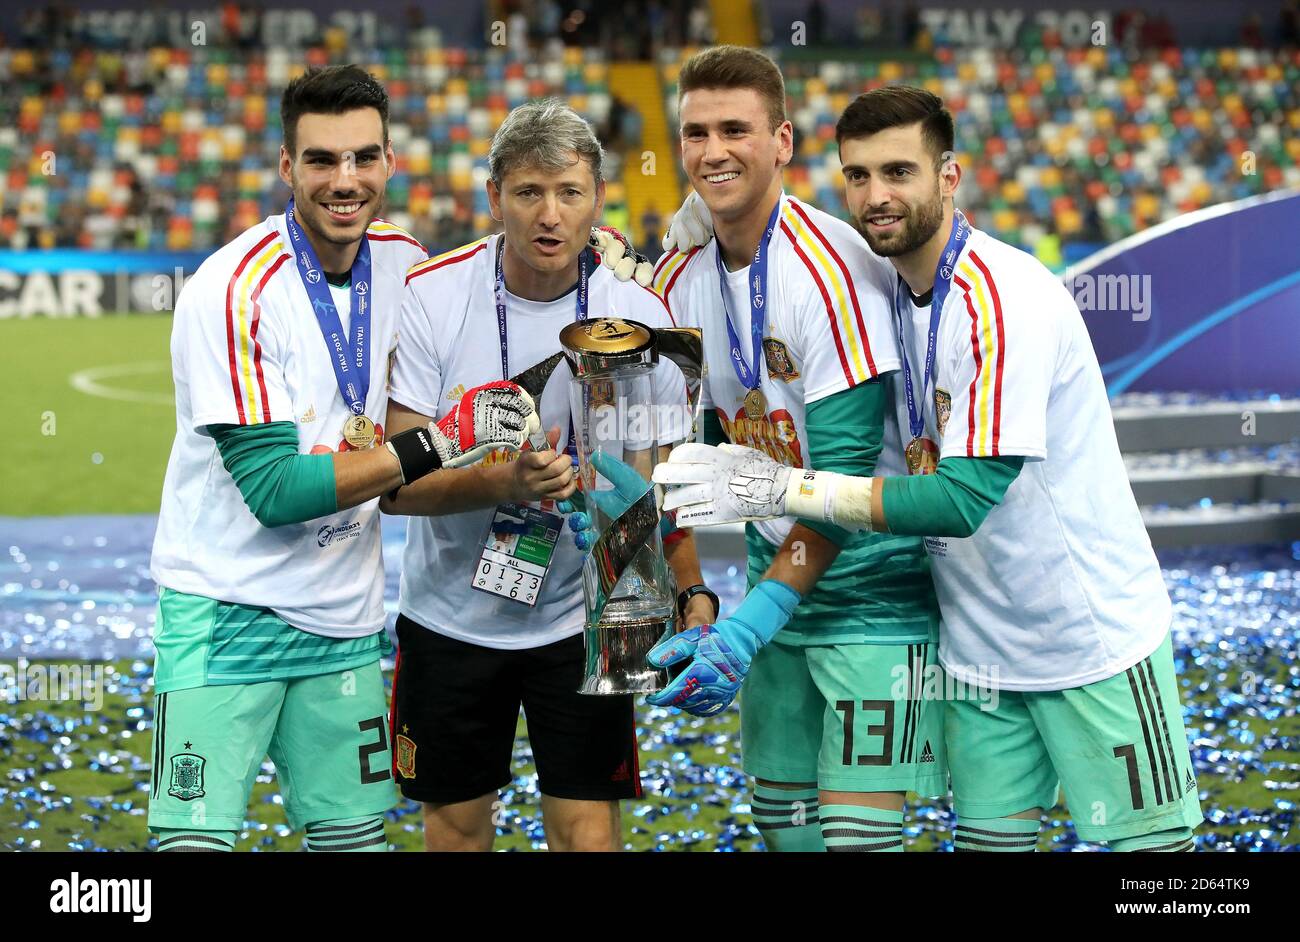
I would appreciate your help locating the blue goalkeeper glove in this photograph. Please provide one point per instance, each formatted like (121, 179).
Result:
(629, 487)
(720, 654)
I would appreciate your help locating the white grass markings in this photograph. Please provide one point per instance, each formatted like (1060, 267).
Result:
(89, 382)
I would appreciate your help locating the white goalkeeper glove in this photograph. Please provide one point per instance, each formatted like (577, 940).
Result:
(708, 486)
(692, 225)
(618, 255)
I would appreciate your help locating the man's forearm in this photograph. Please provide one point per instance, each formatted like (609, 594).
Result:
(802, 559)
(451, 491)
(360, 476)
(951, 502)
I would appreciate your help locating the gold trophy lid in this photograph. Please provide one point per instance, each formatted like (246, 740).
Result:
(599, 344)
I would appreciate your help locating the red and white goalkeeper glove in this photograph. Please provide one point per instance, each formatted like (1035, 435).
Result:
(488, 417)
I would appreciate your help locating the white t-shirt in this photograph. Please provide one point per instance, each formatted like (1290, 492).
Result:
(1059, 587)
(828, 328)
(451, 343)
(246, 350)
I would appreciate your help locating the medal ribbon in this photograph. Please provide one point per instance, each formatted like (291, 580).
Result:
(750, 379)
(942, 283)
(499, 296)
(350, 356)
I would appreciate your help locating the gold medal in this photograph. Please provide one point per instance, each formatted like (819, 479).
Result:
(921, 454)
(755, 405)
(359, 432)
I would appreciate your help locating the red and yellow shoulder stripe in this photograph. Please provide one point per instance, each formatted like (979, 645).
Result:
(381, 230)
(243, 314)
(669, 268)
(447, 258)
(988, 344)
(835, 285)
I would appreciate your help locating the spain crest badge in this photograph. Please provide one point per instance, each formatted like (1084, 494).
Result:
(942, 409)
(780, 365)
(187, 776)
(404, 760)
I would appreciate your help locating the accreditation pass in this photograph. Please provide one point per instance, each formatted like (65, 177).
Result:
(517, 552)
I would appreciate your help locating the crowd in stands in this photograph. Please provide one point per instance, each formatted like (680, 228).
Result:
(165, 145)
(1086, 145)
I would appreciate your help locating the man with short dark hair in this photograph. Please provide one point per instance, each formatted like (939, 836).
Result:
(270, 615)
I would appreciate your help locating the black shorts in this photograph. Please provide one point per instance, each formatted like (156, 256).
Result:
(456, 707)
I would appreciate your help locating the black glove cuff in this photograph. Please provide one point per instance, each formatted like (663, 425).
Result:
(415, 453)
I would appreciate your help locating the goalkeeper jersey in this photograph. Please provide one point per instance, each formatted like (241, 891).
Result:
(450, 343)
(828, 327)
(247, 349)
(1059, 586)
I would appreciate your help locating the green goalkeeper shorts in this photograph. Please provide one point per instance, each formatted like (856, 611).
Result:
(850, 717)
(327, 735)
(1117, 747)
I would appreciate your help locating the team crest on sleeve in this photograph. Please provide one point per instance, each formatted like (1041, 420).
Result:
(404, 758)
(187, 775)
(942, 408)
(780, 365)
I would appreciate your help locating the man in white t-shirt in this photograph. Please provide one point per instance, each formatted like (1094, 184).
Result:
(470, 653)
(267, 555)
(1050, 594)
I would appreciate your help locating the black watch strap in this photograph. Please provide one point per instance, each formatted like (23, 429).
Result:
(687, 594)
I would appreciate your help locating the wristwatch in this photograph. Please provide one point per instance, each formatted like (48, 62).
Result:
(687, 594)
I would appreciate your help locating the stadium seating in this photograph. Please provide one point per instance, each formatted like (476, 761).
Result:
(176, 147)
(1070, 145)
(183, 154)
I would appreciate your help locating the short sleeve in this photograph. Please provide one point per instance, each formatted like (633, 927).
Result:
(1003, 346)
(417, 372)
(227, 348)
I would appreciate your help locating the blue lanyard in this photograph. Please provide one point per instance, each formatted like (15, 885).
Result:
(499, 296)
(757, 304)
(350, 356)
(942, 283)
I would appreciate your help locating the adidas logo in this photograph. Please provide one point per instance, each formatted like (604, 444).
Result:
(926, 754)
(457, 392)
(623, 773)
(1190, 783)
(308, 416)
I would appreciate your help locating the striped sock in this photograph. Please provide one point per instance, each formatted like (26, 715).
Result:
(1174, 840)
(787, 818)
(171, 839)
(998, 835)
(355, 834)
(847, 828)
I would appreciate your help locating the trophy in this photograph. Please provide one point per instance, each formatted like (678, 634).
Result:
(630, 595)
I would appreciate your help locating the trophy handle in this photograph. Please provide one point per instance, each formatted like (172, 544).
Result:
(685, 347)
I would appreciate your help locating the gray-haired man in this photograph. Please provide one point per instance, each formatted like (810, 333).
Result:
(473, 650)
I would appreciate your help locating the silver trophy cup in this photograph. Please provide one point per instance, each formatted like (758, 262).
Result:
(627, 586)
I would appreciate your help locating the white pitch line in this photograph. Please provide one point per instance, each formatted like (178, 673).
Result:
(88, 382)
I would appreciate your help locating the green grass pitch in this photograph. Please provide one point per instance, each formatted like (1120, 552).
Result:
(98, 451)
